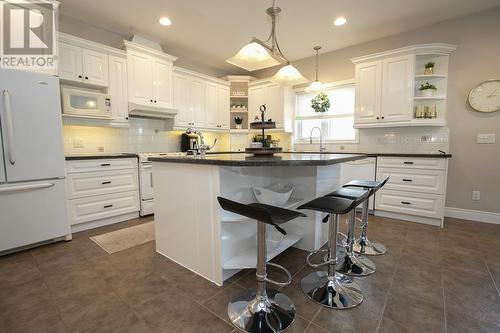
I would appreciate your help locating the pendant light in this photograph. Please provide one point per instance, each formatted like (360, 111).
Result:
(260, 54)
(316, 85)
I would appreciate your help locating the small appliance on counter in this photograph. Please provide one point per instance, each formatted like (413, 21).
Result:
(189, 141)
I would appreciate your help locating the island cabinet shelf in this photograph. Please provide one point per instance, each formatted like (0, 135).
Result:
(248, 258)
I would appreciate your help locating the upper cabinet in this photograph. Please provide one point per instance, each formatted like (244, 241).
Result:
(279, 102)
(118, 88)
(387, 87)
(150, 80)
(82, 65)
(201, 101)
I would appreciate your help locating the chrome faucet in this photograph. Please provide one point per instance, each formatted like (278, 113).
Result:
(321, 148)
(201, 148)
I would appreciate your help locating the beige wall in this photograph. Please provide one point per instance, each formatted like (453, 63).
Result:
(473, 166)
(84, 30)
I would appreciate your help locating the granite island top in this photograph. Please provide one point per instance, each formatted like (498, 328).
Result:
(283, 159)
(93, 156)
(424, 155)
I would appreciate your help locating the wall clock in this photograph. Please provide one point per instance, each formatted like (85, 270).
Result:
(486, 96)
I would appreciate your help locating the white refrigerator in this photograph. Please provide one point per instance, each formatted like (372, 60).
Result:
(32, 191)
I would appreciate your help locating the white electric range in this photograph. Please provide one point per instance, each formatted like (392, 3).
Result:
(146, 181)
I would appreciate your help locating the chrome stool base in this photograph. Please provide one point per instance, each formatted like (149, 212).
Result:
(336, 292)
(369, 248)
(274, 312)
(355, 265)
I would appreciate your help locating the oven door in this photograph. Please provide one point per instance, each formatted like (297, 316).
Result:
(146, 181)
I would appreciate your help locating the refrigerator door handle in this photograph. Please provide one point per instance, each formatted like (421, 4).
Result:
(10, 127)
(17, 188)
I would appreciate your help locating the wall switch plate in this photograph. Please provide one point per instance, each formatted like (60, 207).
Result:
(486, 138)
(476, 195)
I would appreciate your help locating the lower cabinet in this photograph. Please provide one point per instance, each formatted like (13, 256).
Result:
(416, 189)
(100, 195)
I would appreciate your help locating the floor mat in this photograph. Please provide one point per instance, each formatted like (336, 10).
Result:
(126, 238)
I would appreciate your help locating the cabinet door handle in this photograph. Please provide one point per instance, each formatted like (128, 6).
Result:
(79, 76)
(105, 164)
(407, 162)
(378, 118)
(86, 78)
(106, 182)
(108, 206)
(383, 117)
(151, 179)
(406, 203)
(407, 180)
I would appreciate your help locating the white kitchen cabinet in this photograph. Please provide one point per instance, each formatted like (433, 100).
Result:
(82, 65)
(416, 189)
(162, 82)
(279, 101)
(197, 101)
(386, 84)
(397, 88)
(223, 105)
(211, 114)
(118, 88)
(101, 191)
(181, 100)
(368, 92)
(150, 79)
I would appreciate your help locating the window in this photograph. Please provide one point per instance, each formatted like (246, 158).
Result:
(336, 124)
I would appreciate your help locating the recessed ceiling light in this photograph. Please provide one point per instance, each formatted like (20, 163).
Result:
(165, 21)
(340, 21)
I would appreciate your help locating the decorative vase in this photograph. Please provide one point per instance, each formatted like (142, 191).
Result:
(429, 71)
(427, 92)
(239, 126)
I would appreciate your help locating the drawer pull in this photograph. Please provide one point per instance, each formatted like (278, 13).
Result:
(108, 206)
(406, 203)
(408, 162)
(407, 180)
(106, 182)
(105, 164)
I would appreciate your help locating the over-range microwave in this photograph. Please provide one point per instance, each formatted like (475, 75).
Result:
(86, 103)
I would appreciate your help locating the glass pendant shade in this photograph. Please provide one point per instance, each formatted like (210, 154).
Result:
(252, 57)
(288, 75)
(315, 86)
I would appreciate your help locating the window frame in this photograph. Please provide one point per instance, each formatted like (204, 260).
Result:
(327, 86)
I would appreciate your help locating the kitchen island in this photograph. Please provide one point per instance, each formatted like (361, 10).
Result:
(191, 228)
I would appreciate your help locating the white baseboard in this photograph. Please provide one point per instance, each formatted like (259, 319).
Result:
(103, 222)
(472, 215)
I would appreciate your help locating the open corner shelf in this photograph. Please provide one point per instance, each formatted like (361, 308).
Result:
(248, 258)
(431, 98)
(429, 76)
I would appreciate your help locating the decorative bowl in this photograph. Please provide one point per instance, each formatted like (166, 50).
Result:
(276, 195)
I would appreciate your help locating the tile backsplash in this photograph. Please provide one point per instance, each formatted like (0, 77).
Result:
(143, 135)
(393, 140)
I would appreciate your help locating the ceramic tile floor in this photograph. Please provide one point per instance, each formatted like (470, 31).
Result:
(431, 280)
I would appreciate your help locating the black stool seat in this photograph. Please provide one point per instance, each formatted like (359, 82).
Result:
(350, 193)
(331, 205)
(371, 184)
(260, 212)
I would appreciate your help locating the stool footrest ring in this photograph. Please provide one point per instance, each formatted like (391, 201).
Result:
(326, 262)
(281, 284)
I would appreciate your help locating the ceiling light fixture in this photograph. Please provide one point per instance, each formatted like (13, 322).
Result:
(259, 54)
(165, 21)
(316, 85)
(340, 21)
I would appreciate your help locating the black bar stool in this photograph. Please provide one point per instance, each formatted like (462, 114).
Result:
(351, 263)
(363, 245)
(260, 310)
(332, 289)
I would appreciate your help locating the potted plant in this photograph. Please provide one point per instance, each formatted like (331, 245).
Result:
(429, 68)
(238, 121)
(427, 89)
(320, 103)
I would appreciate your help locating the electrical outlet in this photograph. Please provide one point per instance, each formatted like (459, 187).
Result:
(486, 138)
(476, 195)
(78, 143)
(100, 149)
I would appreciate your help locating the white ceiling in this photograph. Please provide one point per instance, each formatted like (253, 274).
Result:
(210, 31)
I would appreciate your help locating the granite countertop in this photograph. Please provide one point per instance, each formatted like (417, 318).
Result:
(283, 159)
(425, 155)
(99, 156)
